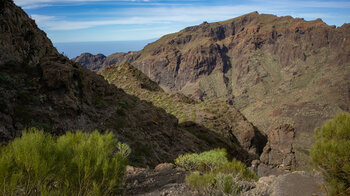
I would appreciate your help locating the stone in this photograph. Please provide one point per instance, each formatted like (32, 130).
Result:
(278, 155)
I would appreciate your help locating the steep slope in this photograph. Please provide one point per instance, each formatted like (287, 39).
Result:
(218, 116)
(41, 88)
(275, 70)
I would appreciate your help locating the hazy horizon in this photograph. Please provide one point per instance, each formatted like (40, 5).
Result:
(74, 49)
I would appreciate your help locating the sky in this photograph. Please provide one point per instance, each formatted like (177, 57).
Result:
(121, 20)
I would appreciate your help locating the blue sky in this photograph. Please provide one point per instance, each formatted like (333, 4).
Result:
(115, 20)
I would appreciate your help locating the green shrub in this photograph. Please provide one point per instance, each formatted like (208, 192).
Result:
(213, 173)
(330, 153)
(203, 182)
(205, 161)
(227, 183)
(74, 164)
(238, 168)
(214, 184)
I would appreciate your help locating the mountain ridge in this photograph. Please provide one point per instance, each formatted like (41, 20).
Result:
(275, 70)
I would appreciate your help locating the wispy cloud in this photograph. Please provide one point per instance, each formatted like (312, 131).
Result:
(98, 19)
(32, 4)
(305, 3)
(161, 15)
(164, 15)
(42, 18)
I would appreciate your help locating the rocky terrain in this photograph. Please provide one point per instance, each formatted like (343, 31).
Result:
(167, 179)
(41, 88)
(274, 70)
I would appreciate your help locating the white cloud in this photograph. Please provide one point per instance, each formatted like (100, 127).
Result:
(148, 16)
(31, 4)
(42, 18)
(171, 14)
(305, 4)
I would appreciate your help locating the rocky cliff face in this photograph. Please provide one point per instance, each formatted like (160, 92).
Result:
(275, 70)
(41, 88)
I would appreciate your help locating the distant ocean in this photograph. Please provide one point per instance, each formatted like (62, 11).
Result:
(74, 49)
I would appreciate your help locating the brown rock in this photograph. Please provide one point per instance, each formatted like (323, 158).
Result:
(165, 179)
(278, 152)
(297, 183)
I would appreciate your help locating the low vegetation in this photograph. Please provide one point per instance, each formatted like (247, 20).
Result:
(330, 153)
(213, 173)
(215, 115)
(73, 164)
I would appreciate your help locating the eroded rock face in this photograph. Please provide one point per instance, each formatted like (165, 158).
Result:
(278, 155)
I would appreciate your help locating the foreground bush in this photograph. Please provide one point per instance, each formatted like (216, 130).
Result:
(331, 153)
(213, 173)
(205, 161)
(74, 164)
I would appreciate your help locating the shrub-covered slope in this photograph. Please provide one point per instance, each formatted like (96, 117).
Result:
(216, 115)
(41, 88)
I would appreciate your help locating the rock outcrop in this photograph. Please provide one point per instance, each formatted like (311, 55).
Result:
(89, 61)
(296, 183)
(278, 154)
(164, 179)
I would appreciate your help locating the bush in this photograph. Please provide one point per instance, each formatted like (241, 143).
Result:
(74, 164)
(237, 168)
(203, 162)
(330, 153)
(203, 182)
(213, 173)
(214, 183)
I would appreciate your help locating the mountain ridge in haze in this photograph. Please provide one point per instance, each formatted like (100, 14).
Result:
(74, 49)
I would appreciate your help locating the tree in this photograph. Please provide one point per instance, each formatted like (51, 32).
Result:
(331, 153)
